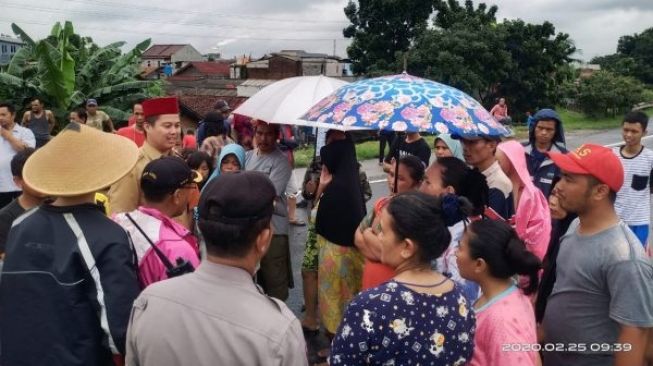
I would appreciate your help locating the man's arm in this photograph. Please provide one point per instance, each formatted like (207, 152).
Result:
(280, 175)
(117, 273)
(635, 339)
(51, 120)
(26, 118)
(124, 195)
(17, 143)
(110, 125)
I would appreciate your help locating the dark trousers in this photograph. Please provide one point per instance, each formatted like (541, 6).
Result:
(7, 197)
(275, 274)
(383, 140)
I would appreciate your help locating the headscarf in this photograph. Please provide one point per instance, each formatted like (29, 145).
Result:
(341, 206)
(453, 145)
(230, 149)
(532, 215)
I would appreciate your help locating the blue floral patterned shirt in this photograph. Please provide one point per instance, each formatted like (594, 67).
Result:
(394, 325)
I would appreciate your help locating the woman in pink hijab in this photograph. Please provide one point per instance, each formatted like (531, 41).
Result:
(532, 219)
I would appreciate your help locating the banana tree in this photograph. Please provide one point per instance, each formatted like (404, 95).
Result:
(64, 69)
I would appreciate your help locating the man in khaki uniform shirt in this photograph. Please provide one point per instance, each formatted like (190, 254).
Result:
(217, 315)
(162, 128)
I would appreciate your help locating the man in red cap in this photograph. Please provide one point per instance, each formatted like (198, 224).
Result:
(162, 129)
(603, 294)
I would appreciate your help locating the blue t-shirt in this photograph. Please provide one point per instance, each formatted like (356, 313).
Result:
(394, 325)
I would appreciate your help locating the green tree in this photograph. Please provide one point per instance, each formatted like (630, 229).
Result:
(634, 57)
(65, 69)
(450, 13)
(380, 29)
(606, 93)
(465, 49)
(468, 49)
(540, 59)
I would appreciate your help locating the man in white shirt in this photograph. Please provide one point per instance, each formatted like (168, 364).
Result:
(634, 198)
(13, 138)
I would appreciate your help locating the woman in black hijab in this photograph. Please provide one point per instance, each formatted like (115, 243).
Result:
(341, 208)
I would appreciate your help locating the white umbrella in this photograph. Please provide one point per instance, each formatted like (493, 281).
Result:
(286, 100)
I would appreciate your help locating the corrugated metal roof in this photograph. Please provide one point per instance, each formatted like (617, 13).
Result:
(257, 82)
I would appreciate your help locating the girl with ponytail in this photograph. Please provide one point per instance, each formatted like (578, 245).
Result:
(492, 255)
(465, 195)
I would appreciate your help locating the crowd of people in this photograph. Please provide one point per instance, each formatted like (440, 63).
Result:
(149, 246)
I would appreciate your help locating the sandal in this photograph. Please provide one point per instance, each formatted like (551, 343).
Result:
(297, 222)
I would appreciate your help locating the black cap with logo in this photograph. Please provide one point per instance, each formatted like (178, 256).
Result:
(167, 174)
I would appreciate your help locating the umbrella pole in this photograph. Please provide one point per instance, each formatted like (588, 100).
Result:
(400, 135)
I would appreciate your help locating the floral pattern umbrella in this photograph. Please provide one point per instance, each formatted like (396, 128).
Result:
(404, 103)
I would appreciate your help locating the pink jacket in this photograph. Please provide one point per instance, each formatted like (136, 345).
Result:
(170, 237)
(532, 215)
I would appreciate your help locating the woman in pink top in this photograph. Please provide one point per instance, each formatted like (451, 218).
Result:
(491, 254)
(532, 219)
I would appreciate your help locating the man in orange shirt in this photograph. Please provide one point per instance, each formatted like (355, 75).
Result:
(135, 132)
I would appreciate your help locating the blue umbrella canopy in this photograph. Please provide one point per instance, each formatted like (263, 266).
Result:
(404, 103)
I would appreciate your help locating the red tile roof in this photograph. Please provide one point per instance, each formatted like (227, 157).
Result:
(200, 105)
(207, 68)
(162, 50)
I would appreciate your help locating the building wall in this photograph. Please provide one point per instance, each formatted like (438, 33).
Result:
(153, 62)
(7, 51)
(278, 68)
(185, 55)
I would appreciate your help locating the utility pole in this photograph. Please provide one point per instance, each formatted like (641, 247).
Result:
(334, 48)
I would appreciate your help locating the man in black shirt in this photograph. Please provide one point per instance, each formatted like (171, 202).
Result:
(411, 144)
(69, 275)
(27, 200)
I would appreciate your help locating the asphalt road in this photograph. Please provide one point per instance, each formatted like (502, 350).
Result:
(380, 189)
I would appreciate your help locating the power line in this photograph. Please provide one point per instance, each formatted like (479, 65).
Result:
(330, 39)
(152, 21)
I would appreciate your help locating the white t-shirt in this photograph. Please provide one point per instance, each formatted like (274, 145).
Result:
(7, 153)
(633, 203)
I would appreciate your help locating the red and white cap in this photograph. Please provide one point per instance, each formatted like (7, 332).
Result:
(595, 160)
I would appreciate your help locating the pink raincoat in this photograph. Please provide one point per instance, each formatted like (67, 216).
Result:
(169, 236)
(532, 216)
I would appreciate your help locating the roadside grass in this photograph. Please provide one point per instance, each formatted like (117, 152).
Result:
(572, 120)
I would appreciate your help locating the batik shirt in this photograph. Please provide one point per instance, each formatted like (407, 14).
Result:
(394, 325)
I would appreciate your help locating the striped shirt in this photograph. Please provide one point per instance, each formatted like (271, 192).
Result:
(633, 199)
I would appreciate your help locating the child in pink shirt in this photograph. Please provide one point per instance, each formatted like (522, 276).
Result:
(491, 254)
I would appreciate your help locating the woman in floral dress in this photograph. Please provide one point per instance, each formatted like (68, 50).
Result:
(418, 317)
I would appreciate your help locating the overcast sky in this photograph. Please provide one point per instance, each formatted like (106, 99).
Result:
(259, 26)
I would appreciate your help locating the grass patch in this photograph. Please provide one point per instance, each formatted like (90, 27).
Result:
(364, 151)
(573, 120)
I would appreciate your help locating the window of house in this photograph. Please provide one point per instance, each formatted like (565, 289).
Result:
(149, 63)
(4, 48)
(13, 49)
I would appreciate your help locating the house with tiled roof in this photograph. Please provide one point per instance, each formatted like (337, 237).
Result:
(289, 63)
(200, 70)
(175, 55)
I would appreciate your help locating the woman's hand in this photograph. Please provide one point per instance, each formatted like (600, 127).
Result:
(325, 177)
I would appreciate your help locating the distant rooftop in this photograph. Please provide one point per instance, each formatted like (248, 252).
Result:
(162, 50)
(9, 39)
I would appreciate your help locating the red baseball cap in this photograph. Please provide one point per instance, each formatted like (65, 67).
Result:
(595, 160)
(159, 106)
